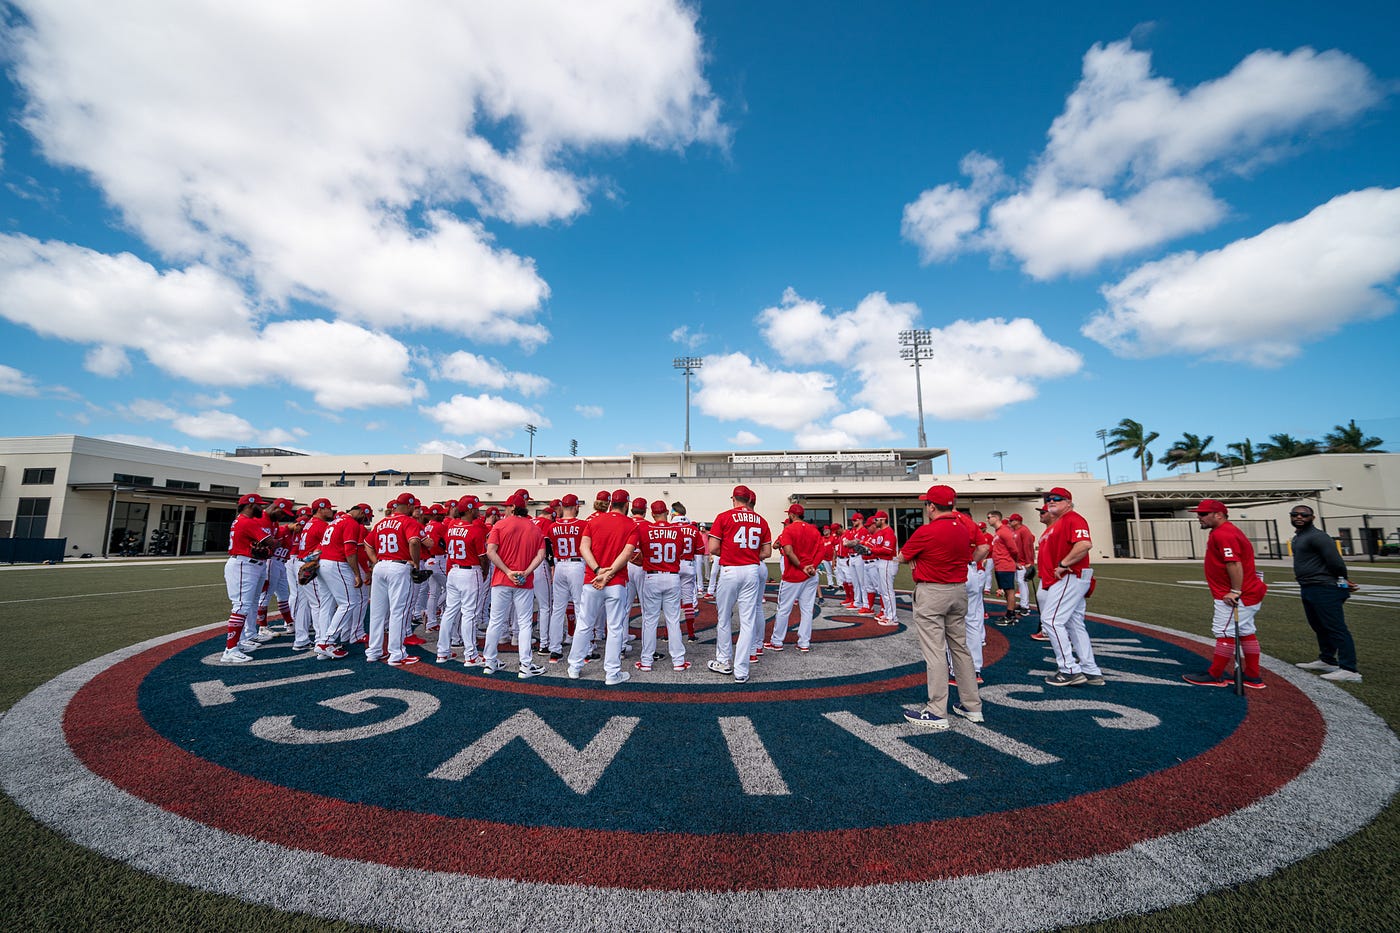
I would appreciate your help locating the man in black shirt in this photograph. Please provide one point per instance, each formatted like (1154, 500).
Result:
(1323, 584)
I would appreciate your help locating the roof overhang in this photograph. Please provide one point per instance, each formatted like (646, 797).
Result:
(1256, 493)
(159, 492)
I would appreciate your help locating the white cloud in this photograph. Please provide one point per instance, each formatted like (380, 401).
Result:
(488, 415)
(456, 448)
(294, 151)
(1259, 299)
(683, 336)
(142, 440)
(150, 410)
(735, 387)
(15, 382)
(589, 411)
(488, 374)
(211, 400)
(215, 425)
(744, 439)
(107, 360)
(193, 323)
(978, 367)
(1126, 163)
(852, 429)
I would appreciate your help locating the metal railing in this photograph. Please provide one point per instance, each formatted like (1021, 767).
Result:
(1185, 539)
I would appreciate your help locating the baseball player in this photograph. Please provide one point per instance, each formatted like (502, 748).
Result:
(1025, 559)
(434, 561)
(1046, 520)
(544, 577)
(802, 547)
(880, 566)
(341, 578)
(1064, 570)
(660, 547)
(741, 540)
(1238, 591)
(245, 571)
(466, 566)
(606, 547)
(565, 534)
(277, 584)
(397, 547)
(515, 548)
(694, 550)
(1005, 551)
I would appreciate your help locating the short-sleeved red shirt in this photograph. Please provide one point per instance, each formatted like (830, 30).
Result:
(807, 543)
(692, 540)
(246, 532)
(310, 537)
(1004, 549)
(517, 542)
(1025, 545)
(564, 536)
(1228, 545)
(742, 533)
(1069, 529)
(660, 546)
(341, 536)
(608, 535)
(389, 538)
(466, 543)
(939, 549)
(882, 543)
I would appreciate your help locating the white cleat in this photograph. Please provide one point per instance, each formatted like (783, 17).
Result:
(234, 656)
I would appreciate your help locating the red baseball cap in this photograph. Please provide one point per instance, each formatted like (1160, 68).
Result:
(858, 517)
(436, 509)
(251, 498)
(1060, 491)
(362, 506)
(603, 496)
(517, 501)
(523, 492)
(619, 497)
(570, 501)
(1210, 505)
(493, 511)
(796, 509)
(940, 495)
(468, 502)
(639, 504)
(825, 529)
(982, 525)
(881, 514)
(659, 508)
(555, 503)
(284, 505)
(406, 498)
(1015, 517)
(320, 504)
(743, 492)
(304, 512)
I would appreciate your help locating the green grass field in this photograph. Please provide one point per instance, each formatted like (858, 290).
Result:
(52, 619)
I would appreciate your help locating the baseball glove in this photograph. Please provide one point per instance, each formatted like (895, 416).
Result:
(1030, 571)
(419, 575)
(260, 551)
(307, 573)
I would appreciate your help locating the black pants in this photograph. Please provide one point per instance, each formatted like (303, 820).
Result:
(1323, 607)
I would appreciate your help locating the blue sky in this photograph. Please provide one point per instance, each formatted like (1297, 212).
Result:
(341, 233)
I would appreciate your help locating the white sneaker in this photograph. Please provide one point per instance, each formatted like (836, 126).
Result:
(249, 645)
(1342, 675)
(529, 670)
(574, 672)
(621, 677)
(1318, 665)
(234, 656)
(263, 635)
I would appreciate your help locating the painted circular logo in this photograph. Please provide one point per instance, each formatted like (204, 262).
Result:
(426, 789)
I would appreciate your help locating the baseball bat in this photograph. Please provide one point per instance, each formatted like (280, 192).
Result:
(1239, 654)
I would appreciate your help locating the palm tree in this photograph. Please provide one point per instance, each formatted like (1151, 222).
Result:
(1243, 454)
(1350, 439)
(1129, 437)
(1286, 447)
(1190, 449)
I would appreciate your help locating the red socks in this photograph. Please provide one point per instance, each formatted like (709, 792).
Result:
(1250, 645)
(1224, 654)
(235, 630)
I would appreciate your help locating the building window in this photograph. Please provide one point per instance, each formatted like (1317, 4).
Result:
(279, 484)
(38, 476)
(343, 482)
(180, 484)
(5, 529)
(313, 483)
(127, 479)
(228, 490)
(32, 518)
(505, 475)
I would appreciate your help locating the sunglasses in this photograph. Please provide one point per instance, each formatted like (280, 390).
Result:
(1055, 499)
(1300, 515)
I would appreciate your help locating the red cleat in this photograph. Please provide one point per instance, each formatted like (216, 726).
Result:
(415, 640)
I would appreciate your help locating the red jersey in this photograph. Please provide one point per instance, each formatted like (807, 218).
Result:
(608, 535)
(1069, 529)
(692, 540)
(564, 536)
(1025, 545)
(939, 549)
(881, 542)
(1228, 545)
(389, 539)
(742, 534)
(807, 543)
(246, 532)
(286, 541)
(974, 534)
(466, 544)
(517, 542)
(660, 546)
(342, 535)
(310, 537)
(1004, 549)
(434, 533)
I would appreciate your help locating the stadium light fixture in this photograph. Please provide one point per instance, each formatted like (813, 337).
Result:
(917, 345)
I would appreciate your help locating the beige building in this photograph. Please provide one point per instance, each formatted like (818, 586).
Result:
(107, 498)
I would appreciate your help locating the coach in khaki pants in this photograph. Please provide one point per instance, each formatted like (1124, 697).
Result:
(940, 550)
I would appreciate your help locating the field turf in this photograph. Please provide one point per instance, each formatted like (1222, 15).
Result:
(52, 619)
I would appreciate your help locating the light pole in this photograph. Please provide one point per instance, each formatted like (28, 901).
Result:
(688, 365)
(1102, 435)
(917, 345)
(530, 429)
(1001, 460)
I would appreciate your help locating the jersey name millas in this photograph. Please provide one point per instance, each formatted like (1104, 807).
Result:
(564, 535)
